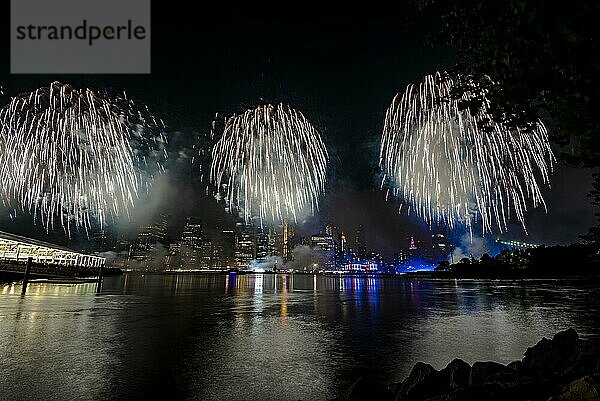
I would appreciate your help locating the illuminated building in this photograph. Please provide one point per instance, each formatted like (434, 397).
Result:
(153, 233)
(272, 242)
(286, 246)
(123, 246)
(191, 249)
(360, 248)
(412, 250)
(173, 258)
(199, 252)
(362, 266)
(229, 237)
(218, 260)
(400, 258)
(375, 258)
(331, 230)
(123, 249)
(227, 248)
(148, 243)
(192, 232)
(205, 255)
(263, 244)
(440, 249)
(17, 249)
(244, 246)
(278, 242)
(101, 240)
(342, 251)
(323, 251)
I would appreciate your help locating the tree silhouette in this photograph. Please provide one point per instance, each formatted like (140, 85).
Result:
(537, 60)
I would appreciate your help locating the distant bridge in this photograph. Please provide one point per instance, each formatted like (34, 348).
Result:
(516, 244)
(16, 250)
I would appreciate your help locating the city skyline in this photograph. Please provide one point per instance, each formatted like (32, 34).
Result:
(248, 247)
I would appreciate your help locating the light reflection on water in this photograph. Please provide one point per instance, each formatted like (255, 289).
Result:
(244, 337)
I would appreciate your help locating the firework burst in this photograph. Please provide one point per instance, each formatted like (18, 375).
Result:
(451, 166)
(75, 154)
(270, 164)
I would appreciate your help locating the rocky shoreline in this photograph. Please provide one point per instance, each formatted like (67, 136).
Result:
(565, 368)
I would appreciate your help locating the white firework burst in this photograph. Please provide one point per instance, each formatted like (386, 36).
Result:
(451, 167)
(75, 154)
(270, 164)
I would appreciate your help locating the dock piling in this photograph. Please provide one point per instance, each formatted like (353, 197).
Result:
(26, 275)
(100, 276)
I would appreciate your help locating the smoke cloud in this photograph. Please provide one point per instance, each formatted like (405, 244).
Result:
(470, 246)
(267, 263)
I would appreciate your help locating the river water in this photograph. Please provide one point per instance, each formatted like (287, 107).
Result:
(265, 337)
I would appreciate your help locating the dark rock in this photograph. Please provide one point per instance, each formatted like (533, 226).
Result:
(367, 388)
(529, 392)
(345, 395)
(474, 393)
(536, 357)
(567, 338)
(458, 372)
(541, 375)
(423, 382)
(516, 387)
(586, 388)
(482, 372)
(587, 361)
(517, 366)
(419, 373)
(525, 391)
(552, 358)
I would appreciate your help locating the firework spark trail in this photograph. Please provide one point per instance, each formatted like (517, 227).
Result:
(75, 154)
(449, 168)
(271, 164)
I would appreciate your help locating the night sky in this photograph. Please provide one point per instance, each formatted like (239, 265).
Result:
(340, 66)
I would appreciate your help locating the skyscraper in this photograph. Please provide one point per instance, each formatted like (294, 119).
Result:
(101, 240)
(440, 249)
(192, 232)
(227, 248)
(173, 258)
(244, 245)
(288, 235)
(263, 248)
(323, 250)
(341, 249)
(192, 244)
(360, 246)
(148, 250)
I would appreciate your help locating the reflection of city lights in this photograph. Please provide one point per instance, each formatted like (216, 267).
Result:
(283, 309)
(286, 284)
(258, 284)
(41, 288)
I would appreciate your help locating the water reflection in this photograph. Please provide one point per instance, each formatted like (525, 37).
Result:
(35, 289)
(264, 336)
